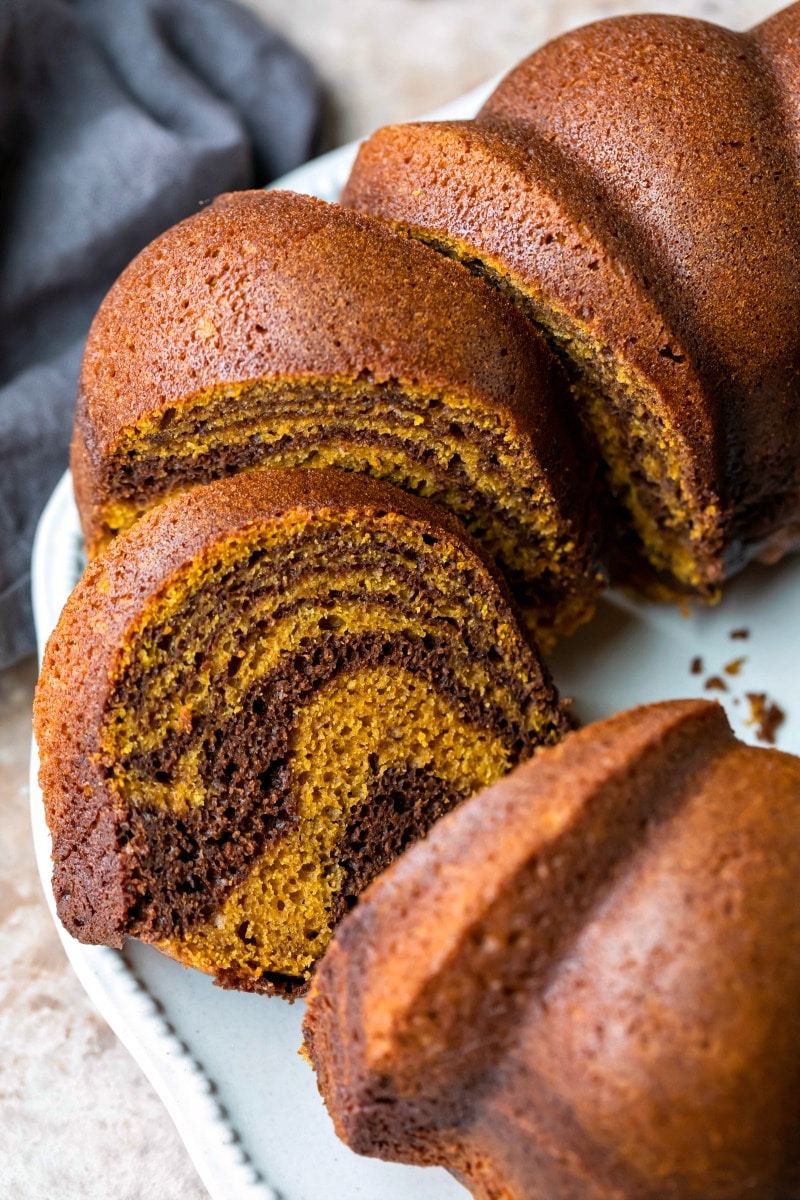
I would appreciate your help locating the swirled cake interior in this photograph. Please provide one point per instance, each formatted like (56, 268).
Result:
(274, 330)
(644, 453)
(296, 707)
(444, 447)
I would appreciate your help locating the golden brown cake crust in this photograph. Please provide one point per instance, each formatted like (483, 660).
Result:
(92, 642)
(584, 982)
(647, 168)
(274, 284)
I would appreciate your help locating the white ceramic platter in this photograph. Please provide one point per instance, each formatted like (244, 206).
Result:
(226, 1065)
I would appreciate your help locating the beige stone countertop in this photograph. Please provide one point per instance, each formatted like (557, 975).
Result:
(77, 1117)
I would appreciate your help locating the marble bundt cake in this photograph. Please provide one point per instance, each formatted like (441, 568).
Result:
(584, 982)
(274, 329)
(633, 186)
(259, 695)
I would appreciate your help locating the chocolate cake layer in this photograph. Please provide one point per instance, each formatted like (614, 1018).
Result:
(246, 772)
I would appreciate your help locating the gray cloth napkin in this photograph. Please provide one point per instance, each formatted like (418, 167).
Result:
(117, 118)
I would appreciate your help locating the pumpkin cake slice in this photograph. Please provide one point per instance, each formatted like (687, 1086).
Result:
(633, 187)
(256, 698)
(273, 329)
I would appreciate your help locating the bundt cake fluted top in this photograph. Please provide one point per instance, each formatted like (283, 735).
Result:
(584, 982)
(634, 185)
(273, 329)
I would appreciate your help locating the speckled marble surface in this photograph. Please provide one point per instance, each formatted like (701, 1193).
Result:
(77, 1117)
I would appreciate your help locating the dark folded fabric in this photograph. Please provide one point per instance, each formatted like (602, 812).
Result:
(117, 118)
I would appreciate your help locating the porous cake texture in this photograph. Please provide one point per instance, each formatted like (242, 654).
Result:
(256, 698)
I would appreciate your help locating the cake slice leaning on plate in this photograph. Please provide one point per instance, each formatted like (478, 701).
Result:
(256, 698)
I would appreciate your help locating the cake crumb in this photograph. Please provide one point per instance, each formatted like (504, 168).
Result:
(734, 667)
(696, 666)
(766, 715)
(715, 684)
(741, 634)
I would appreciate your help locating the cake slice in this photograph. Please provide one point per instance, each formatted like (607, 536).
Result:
(273, 329)
(256, 698)
(584, 982)
(633, 187)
